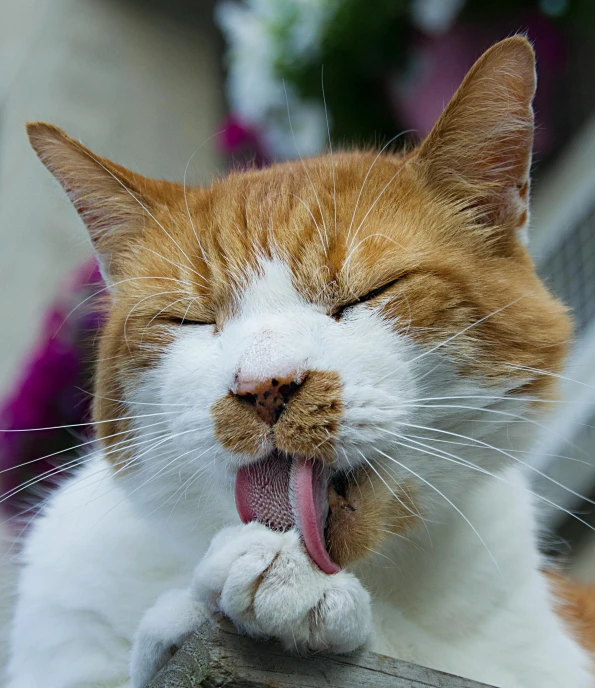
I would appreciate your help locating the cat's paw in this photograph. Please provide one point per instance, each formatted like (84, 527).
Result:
(163, 628)
(266, 583)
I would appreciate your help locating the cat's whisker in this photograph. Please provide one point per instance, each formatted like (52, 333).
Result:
(185, 486)
(503, 452)
(515, 417)
(549, 373)
(408, 508)
(124, 445)
(438, 453)
(74, 448)
(88, 423)
(385, 556)
(130, 402)
(403, 537)
(153, 476)
(515, 451)
(488, 409)
(449, 501)
(507, 398)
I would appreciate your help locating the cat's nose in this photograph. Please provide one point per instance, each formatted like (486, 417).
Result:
(269, 397)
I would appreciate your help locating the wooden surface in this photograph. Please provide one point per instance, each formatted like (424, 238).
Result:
(217, 656)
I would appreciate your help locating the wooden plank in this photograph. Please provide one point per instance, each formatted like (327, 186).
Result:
(216, 655)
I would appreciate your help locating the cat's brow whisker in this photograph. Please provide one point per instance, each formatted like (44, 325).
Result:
(370, 236)
(380, 152)
(192, 299)
(330, 145)
(475, 323)
(326, 243)
(311, 215)
(185, 190)
(382, 192)
(177, 265)
(141, 204)
(138, 303)
(115, 284)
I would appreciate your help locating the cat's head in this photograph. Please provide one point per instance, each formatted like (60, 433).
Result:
(353, 331)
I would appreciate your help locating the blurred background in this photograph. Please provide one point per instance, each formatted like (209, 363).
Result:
(187, 88)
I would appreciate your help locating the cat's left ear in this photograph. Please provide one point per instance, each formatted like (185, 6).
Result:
(114, 203)
(479, 152)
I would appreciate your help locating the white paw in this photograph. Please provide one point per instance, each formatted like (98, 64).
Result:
(265, 582)
(163, 628)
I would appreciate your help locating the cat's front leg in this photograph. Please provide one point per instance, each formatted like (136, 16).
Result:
(265, 582)
(161, 631)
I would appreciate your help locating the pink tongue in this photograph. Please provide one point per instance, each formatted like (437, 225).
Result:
(283, 493)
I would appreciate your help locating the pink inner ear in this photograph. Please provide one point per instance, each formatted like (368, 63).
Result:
(284, 493)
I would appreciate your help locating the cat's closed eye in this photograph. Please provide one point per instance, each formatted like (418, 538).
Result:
(378, 291)
(177, 320)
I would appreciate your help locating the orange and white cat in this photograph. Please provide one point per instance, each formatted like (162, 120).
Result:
(314, 390)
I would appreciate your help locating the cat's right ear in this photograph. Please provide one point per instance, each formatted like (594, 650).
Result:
(113, 202)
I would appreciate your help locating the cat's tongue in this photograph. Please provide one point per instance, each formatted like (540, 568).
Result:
(285, 493)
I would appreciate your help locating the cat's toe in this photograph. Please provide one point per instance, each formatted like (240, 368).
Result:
(163, 628)
(266, 583)
(342, 620)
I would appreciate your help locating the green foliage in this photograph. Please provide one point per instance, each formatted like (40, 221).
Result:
(365, 41)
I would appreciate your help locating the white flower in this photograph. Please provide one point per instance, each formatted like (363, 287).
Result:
(435, 16)
(259, 34)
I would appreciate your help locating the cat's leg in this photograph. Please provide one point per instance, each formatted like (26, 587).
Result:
(265, 582)
(163, 628)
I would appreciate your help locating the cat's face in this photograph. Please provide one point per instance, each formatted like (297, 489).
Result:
(372, 320)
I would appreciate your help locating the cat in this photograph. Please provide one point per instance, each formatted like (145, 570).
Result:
(314, 389)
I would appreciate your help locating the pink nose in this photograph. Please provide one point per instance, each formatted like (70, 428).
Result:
(269, 397)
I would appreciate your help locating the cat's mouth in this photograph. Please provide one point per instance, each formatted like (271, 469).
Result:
(284, 492)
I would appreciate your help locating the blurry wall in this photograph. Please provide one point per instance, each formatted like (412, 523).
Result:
(135, 83)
